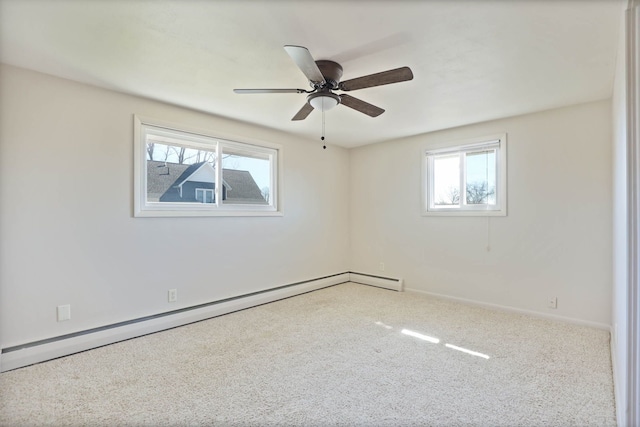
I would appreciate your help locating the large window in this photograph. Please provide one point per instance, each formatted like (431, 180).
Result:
(467, 178)
(191, 173)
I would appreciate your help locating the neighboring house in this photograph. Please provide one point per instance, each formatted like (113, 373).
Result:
(196, 183)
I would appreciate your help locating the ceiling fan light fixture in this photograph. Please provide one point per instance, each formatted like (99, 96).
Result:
(323, 101)
(325, 76)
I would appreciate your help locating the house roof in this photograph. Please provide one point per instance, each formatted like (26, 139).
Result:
(161, 176)
(188, 172)
(241, 187)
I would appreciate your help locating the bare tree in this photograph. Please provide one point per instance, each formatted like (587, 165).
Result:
(150, 147)
(452, 197)
(205, 156)
(167, 150)
(210, 156)
(152, 151)
(478, 193)
(182, 154)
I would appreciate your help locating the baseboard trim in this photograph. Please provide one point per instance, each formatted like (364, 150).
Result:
(378, 281)
(531, 313)
(52, 348)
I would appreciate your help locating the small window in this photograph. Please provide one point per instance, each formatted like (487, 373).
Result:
(186, 173)
(204, 195)
(466, 178)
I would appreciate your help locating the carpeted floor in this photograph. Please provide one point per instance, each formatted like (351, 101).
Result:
(345, 355)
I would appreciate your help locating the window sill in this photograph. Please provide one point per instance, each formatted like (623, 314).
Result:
(451, 212)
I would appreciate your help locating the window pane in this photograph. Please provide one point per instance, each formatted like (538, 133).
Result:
(246, 177)
(180, 173)
(446, 180)
(480, 178)
(175, 172)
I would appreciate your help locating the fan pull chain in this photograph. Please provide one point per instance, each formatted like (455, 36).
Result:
(322, 137)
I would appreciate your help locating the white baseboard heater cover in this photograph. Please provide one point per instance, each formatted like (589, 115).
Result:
(379, 281)
(40, 351)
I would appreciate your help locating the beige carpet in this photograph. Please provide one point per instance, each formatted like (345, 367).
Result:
(346, 355)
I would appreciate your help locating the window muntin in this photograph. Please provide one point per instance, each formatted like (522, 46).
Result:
(466, 179)
(177, 174)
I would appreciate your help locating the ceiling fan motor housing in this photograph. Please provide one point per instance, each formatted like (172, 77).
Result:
(331, 71)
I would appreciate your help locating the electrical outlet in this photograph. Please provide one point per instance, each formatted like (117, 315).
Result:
(64, 312)
(173, 295)
(381, 266)
(553, 302)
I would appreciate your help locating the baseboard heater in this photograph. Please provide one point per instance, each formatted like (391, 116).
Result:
(51, 348)
(379, 281)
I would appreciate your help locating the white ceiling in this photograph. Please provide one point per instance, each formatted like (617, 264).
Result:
(472, 60)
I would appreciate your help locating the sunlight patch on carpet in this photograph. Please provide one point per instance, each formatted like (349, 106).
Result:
(466, 350)
(420, 336)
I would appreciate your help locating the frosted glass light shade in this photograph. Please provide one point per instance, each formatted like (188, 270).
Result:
(323, 103)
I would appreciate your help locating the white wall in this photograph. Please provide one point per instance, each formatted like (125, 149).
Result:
(555, 241)
(69, 237)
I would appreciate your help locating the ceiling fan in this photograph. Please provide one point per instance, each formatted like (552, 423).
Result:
(324, 77)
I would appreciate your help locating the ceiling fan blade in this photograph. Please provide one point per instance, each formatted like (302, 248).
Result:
(269, 91)
(359, 105)
(303, 113)
(303, 59)
(401, 74)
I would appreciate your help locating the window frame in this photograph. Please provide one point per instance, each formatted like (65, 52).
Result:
(206, 140)
(459, 147)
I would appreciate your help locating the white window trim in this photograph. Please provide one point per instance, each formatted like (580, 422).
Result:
(456, 146)
(201, 137)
